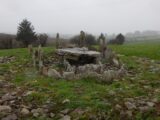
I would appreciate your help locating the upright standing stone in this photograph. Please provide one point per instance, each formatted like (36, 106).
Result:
(30, 49)
(38, 58)
(57, 41)
(102, 45)
(82, 42)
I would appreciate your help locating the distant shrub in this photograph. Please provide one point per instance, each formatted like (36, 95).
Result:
(6, 41)
(89, 39)
(120, 39)
(42, 39)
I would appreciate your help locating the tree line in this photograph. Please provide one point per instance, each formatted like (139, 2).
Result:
(26, 35)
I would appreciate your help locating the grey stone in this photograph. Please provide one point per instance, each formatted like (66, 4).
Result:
(111, 92)
(130, 105)
(35, 114)
(150, 104)
(2, 83)
(7, 97)
(129, 113)
(66, 117)
(82, 69)
(53, 73)
(67, 66)
(10, 117)
(69, 75)
(5, 109)
(130, 99)
(116, 62)
(38, 110)
(65, 101)
(28, 93)
(25, 111)
(52, 115)
(65, 111)
(118, 107)
(108, 75)
(121, 72)
(144, 108)
(92, 74)
(155, 100)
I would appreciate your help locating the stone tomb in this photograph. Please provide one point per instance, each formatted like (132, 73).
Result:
(79, 56)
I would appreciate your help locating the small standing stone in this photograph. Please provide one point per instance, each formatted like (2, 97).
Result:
(57, 41)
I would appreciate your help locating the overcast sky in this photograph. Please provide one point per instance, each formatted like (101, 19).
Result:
(71, 16)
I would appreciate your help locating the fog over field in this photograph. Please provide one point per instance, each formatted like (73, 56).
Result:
(71, 16)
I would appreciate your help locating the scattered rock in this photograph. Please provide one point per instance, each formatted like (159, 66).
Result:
(2, 83)
(38, 110)
(130, 105)
(65, 111)
(35, 114)
(8, 97)
(52, 115)
(66, 101)
(66, 117)
(53, 73)
(5, 109)
(116, 62)
(69, 75)
(25, 111)
(67, 66)
(112, 93)
(91, 74)
(144, 109)
(108, 76)
(155, 100)
(129, 113)
(150, 104)
(118, 107)
(78, 111)
(130, 99)
(10, 117)
(7, 59)
(28, 93)
(121, 72)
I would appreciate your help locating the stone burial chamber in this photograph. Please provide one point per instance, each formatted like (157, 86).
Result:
(79, 56)
(76, 63)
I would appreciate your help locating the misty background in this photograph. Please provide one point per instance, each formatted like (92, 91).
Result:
(71, 16)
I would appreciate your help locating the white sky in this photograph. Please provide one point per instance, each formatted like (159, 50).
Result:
(72, 16)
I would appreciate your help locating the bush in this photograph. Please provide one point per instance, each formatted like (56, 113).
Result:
(42, 39)
(6, 41)
(89, 38)
(120, 39)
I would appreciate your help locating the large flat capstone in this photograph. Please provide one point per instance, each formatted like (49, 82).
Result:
(79, 56)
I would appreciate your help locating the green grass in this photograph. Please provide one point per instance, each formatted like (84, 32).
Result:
(140, 49)
(87, 93)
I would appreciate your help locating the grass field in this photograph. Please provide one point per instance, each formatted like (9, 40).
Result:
(94, 98)
(146, 49)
